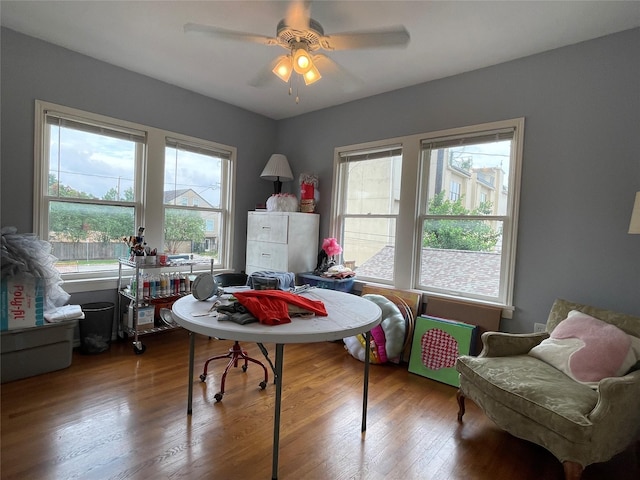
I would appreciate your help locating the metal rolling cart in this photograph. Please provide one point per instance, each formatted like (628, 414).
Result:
(142, 302)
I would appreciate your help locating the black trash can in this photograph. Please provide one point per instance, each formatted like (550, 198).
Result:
(96, 327)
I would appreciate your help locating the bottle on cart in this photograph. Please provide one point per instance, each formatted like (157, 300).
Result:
(147, 288)
(176, 283)
(153, 291)
(163, 284)
(139, 287)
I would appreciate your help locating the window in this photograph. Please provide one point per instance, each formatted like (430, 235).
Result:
(454, 193)
(465, 246)
(369, 203)
(94, 186)
(439, 216)
(193, 175)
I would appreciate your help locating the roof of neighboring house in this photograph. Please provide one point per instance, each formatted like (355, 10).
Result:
(461, 270)
(171, 195)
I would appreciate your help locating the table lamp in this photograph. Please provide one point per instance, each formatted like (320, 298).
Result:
(277, 170)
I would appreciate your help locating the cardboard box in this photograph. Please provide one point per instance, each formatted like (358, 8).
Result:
(22, 302)
(145, 318)
(34, 351)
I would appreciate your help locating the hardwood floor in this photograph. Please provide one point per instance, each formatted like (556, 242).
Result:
(117, 415)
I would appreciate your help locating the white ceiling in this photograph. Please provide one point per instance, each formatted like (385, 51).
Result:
(447, 38)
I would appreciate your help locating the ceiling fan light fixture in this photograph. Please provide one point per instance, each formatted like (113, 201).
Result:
(284, 68)
(301, 59)
(312, 75)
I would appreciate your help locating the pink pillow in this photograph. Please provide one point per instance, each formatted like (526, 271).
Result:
(586, 349)
(604, 351)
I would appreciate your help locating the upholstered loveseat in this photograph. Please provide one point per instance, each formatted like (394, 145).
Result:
(578, 421)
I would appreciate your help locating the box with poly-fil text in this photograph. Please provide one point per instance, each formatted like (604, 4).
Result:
(22, 302)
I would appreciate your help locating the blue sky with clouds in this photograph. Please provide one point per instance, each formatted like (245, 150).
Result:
(94, 164)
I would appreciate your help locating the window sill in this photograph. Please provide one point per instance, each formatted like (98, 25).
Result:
(507, 310)
(90, 284)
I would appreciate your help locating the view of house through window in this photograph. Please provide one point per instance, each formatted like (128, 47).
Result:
(463, 213)
(91, 191)
(192, 198)
(370, 204)
(461, 203)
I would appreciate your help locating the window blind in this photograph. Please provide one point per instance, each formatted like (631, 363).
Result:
(83, 125)
(385, 152)
(467, 139)
(198, 149)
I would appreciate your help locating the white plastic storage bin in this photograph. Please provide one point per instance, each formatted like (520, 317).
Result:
(33, 351)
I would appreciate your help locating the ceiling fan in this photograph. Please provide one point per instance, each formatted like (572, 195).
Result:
(302, 37)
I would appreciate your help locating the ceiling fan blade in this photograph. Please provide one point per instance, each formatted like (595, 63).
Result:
(223, 33)
(390, 37)
(330, 69)
(298, 14)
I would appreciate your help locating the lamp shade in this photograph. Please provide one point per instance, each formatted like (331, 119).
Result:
(312, 75)
(277, 169)
(284, 68)
(634, 225)
(301, 60)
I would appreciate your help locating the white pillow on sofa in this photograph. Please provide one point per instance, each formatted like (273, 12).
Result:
(588, 349)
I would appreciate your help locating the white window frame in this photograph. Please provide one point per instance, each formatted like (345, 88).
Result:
(149, 187)
(340, 194)
(409, 223)
(225, 209)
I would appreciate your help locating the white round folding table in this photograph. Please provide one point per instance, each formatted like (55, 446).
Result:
(348, 315)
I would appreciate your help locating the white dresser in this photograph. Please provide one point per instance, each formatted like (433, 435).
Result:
(282, 241)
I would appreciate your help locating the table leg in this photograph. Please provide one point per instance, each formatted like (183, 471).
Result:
(192, 347)
(265, 352)
(276, 416)
(365, 394)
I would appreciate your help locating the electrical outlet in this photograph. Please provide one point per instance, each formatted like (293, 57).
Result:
(539, 327)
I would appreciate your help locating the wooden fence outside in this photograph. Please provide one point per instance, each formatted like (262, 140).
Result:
(88, 250)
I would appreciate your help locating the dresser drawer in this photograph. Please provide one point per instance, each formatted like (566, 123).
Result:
(268, 228)
(267, 256)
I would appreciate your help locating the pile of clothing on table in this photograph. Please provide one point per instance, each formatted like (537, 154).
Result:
(270, 307)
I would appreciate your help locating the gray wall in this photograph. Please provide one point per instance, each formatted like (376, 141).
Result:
(581, 158)
(581, 162)
(33, 69)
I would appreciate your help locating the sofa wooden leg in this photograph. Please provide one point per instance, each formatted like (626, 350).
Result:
(572, 470)
(460, 398)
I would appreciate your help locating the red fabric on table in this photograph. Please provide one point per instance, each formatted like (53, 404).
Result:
(270, 306)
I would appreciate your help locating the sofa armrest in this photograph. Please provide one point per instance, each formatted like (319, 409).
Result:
(617, 395)
(500, 344)
(616, 416)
